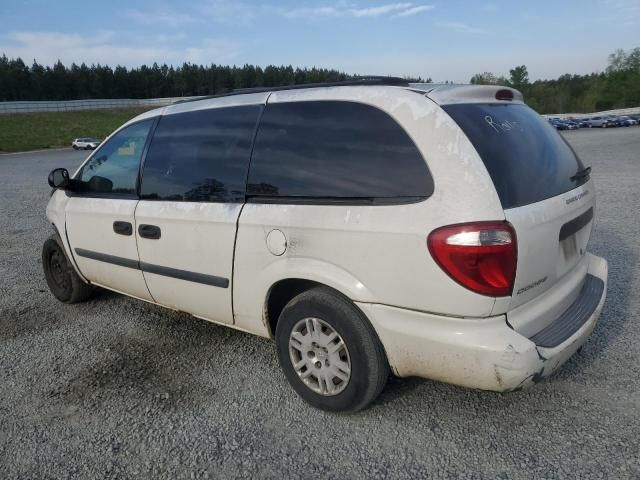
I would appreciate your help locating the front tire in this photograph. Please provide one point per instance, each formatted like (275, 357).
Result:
(63, 281)
(329, 351)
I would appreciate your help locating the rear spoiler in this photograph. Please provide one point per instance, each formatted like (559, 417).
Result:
(444, 94)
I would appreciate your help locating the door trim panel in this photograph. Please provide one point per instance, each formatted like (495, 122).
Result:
(195, 277)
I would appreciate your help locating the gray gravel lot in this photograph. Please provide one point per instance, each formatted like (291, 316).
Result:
(118, 388)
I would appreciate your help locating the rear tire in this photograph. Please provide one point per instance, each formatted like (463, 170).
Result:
(63, 281)
(340, 364)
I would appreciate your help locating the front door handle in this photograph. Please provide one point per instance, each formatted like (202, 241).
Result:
(149, 231)
(122, 228)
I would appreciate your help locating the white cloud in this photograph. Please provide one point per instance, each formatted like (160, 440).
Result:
(625, 12)
(380, 10)
(314, 12)
(460, 27)
(219, 11)
(228, 11)
(212, 51)
(401, 9)
(165, 18)
(107, 49)
(415, 10)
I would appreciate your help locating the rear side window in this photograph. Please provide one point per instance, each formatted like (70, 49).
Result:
(335, 150)
(200, 156)
(527, 159)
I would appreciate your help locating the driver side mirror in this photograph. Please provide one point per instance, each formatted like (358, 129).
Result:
(59, 178)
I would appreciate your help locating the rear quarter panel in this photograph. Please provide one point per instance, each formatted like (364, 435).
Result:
(374, 254)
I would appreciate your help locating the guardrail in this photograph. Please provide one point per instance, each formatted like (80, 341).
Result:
(94, 104)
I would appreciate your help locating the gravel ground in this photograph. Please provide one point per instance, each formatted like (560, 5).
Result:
(118, 388)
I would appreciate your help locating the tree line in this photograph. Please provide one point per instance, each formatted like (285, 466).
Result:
(617, 87)
(19, 81)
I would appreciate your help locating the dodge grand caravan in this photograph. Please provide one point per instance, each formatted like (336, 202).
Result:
(371, 227)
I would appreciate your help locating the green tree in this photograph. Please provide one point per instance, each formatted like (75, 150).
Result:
(617, 87)
(519, 78)
(486, 78)
(621, 60)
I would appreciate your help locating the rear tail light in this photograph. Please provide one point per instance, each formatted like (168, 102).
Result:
(479, 256)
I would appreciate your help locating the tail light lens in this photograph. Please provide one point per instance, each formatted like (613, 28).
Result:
(479, 256)
(504, 95)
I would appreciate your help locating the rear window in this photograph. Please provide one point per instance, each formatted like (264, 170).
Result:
(338, 151)
(527, 159)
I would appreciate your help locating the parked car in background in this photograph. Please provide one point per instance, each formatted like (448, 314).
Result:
(627, 121)
(558, 124)
(599, 122)
(613, 121)
(581, 122)
(309, 215)
(85, 143)
(571, 125)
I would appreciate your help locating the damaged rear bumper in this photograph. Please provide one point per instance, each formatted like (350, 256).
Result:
(482, 353)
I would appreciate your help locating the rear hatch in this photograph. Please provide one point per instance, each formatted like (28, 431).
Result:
(544, 189)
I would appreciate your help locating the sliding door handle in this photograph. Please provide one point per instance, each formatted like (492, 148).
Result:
(122, 228)
(149, 231)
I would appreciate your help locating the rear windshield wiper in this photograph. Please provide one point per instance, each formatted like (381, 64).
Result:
(581, 173)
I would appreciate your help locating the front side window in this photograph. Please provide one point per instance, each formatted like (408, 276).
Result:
(200, 156)
(113, 169)
(335, 150)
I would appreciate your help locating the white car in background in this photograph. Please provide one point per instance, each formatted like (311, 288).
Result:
(600, 122)
(370, 227)
(85, 143)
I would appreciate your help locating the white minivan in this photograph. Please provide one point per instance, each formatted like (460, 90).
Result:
(370, 227)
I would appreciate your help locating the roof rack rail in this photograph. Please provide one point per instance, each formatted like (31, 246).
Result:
(363, 80)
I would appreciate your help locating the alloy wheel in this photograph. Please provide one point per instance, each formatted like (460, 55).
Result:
(319, 356)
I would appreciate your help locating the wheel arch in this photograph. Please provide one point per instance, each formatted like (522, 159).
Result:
(284, 290)
(56, 215)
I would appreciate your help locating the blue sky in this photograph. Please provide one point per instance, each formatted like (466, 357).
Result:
(445, 40)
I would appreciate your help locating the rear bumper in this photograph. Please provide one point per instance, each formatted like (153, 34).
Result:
(482, 353)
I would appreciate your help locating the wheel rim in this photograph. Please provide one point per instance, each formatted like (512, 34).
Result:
(57, 268)
(319, 356)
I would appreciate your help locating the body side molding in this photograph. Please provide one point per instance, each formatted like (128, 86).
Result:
(212, 280)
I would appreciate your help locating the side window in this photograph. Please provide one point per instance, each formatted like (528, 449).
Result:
(333, 150)
(113, 169)
(200, 156)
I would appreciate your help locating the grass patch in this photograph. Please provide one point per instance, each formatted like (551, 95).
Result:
(32, 131)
